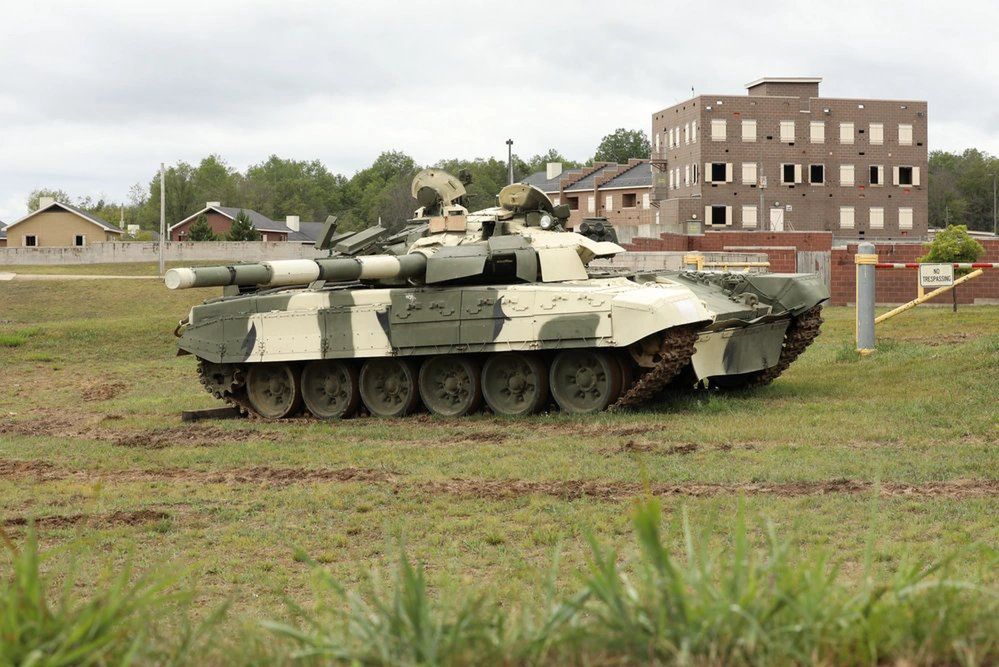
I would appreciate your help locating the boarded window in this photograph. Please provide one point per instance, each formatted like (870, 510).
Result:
(877, 176)
(817, 132)
(591, 204)
(556, 200)
(877, 217)
(686, 133)
(693, 131)
(846, 133)
(749, 216)
(749, 173)
(787, 131)
(696, 172)
(749, 130)
(686, 174)
(628, 200)
(645, 200)
(904, 134)
(905, 218)
(846, 217)
(719, 129)
(609, 202)
(846, 175)
(672, 185)
(877, 134)
(817, 174)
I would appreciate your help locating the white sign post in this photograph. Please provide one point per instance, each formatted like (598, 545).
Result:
(936, 275)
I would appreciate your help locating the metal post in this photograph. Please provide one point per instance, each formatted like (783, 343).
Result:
(994, 228)
(865, 260)
(509, 159)
(163, 238)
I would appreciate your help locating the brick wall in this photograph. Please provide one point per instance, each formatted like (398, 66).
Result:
(781, 248)
(900, 285)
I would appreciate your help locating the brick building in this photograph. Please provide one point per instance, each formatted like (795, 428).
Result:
(622, 193)
(784, 159)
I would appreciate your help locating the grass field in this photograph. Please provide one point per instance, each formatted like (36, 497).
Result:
(900, 446)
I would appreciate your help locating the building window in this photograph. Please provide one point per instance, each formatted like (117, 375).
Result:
(718, 216)
(846, 133)
(719, 129)
(749, 173)
(609, 202)
(591, 204)
(749, 130)
(657, 142)
(817, 174)
(877, 134)
(906, 176)
(904, 134)
(693, 131)
(672, 185)
(877, 220)
(628, 200)
(30, 241)
(790, 174)
(877, 176)
(645, 200)
(556, 200)
(905, 218)
(719, 172)
(787, 131)
(686, 132)
(696, 173)
(573, 203)
(686, 174)
(749, 217)
(79, 240)
(817, 132)
(846, 217)
(846, 175)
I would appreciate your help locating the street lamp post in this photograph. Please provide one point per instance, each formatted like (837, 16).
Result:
(509, 159)
(994, 229)
(162, 216)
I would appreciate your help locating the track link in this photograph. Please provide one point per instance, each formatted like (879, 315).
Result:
(675, 353)
(232, 389)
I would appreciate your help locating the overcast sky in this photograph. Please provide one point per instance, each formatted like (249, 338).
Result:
(94, 95)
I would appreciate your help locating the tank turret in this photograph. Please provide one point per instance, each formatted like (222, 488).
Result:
(454, 308)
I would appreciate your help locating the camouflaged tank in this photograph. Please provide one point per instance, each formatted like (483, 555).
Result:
(455, 309)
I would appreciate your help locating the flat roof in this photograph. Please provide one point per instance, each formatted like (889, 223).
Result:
(784, 79)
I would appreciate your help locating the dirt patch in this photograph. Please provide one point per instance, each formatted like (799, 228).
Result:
(40, 471)
(956, 338)
(103, 391)
(649, 447)
(98, 520)
(573, 489)
(185, 436)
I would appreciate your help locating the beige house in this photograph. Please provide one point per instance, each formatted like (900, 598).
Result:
(58, 224)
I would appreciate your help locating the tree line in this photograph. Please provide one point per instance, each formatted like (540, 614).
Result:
(961, 187)
(279, 187)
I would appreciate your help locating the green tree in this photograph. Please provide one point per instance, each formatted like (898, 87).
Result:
(58, 195)
(242, 229)
(201, 231)
(540, 162)
(960, 188)
(622, 145)
(953, 244)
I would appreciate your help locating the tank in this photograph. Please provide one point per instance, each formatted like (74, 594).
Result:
(503, 308)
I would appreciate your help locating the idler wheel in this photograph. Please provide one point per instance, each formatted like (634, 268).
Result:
(273, 390)
(388, 387)
(585, 381)
(450, 385)
(515, 384)
(330, 389)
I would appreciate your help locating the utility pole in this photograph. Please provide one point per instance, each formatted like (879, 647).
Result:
(994, 229)
(162, 215)
(509, 159)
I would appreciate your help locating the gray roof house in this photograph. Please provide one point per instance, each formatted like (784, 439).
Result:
(221, 217)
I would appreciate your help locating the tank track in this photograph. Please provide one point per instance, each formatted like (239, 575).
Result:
(232, 388)
(675, 353)
(802, 330)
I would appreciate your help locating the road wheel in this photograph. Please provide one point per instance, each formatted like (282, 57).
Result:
(329, 389)
(388, 387)
(515, 384)
(450, 386)
(585, 381)
(273, 390)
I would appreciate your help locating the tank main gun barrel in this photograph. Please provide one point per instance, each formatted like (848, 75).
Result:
(285, 272)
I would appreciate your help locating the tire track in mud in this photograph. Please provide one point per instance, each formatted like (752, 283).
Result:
(43, 471)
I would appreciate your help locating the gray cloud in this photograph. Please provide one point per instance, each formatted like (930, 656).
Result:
(94, 95)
